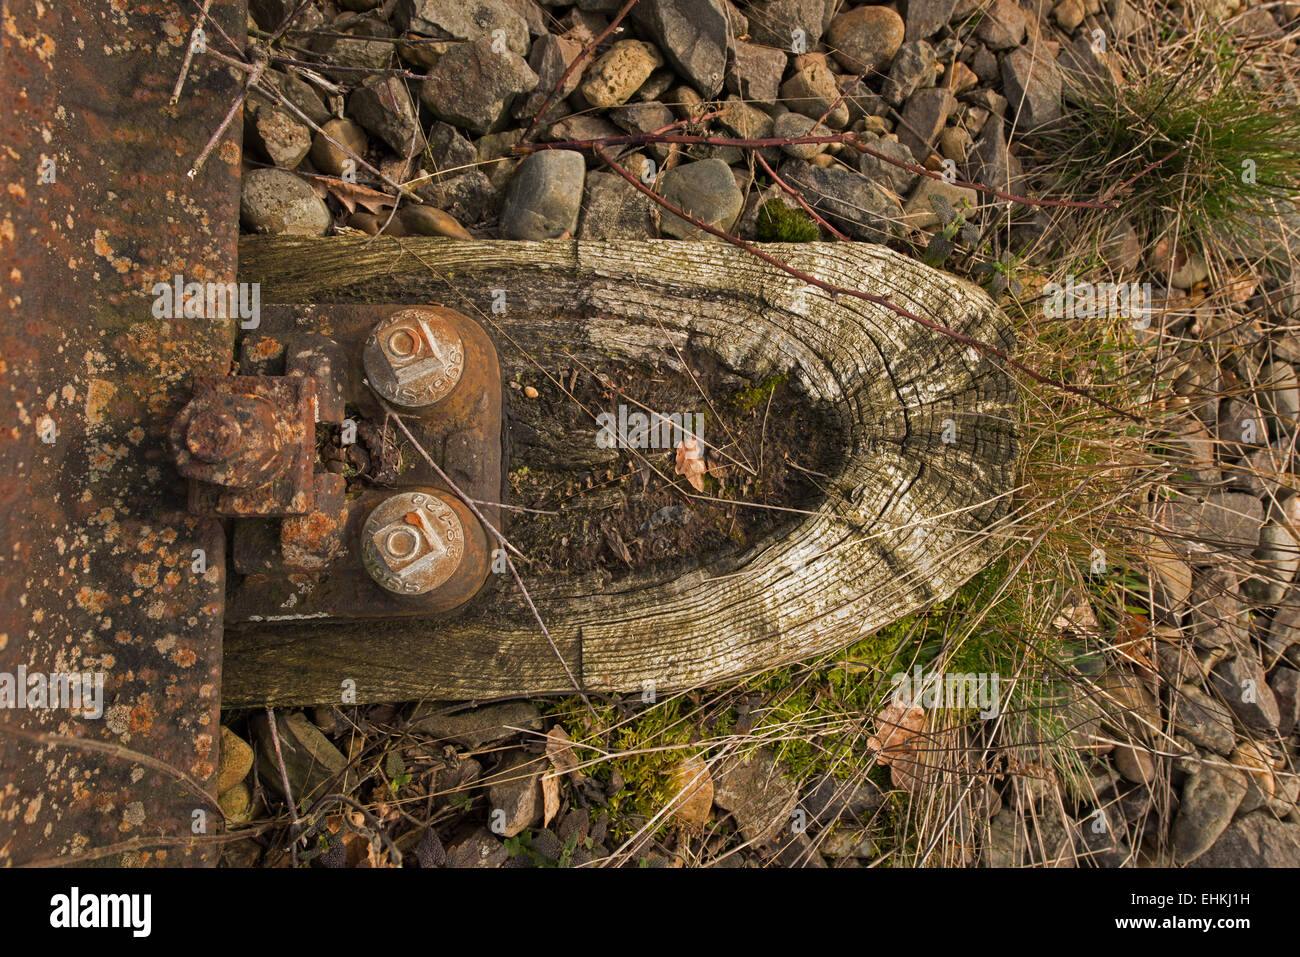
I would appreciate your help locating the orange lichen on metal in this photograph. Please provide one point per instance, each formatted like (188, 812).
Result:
(99, 496)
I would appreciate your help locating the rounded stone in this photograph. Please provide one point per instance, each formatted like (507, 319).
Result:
(236, 803)
(865, 38)
(277, 202)
(619, 73)
(1130, 707)
(328, 158)
(1002, 25)
(427, 221)
(814, 91)
(545, 197)
(1280, 388)
(234, 762)
(284, 140)
(707, 190)
(1068, 14)
(1122, 248)
(796, 125)
(1134, 763)
(1172, 579)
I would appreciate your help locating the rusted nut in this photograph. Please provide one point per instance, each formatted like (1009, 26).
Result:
(213, 435)
(415, 357)
(231, 439)
(267, 471)
(412, 542)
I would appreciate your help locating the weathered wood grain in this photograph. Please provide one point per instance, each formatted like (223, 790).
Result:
(906, 525)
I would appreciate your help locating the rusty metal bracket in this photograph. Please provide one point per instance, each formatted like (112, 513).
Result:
(277, 448)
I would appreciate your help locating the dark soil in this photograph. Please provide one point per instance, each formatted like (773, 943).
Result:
(623, 509)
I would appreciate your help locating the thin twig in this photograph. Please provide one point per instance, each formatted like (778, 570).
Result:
(189, 53)
(284, 781)
(288, 21)
(253, 76)
(112, 749)
(406, 171)
(181, 841)
(367, 70)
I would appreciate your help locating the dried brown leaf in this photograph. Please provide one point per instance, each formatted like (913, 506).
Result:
(356, 849)
(900, 725)
(690, 462)
(550, 797)
(1240, 286)
(351, 195)
(901, 743)
(559, 749)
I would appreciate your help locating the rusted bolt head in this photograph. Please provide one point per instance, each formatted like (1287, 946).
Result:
(213, 435)
(233, 439)
(412, 542)
(414, 357)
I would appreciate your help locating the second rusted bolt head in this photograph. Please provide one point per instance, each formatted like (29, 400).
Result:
(234, 436)
(414, 358)
(412, 542)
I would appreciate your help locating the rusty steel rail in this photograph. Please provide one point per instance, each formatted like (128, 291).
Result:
(103, 571)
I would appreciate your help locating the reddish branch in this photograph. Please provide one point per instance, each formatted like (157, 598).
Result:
(835, 291)
(1115, 190)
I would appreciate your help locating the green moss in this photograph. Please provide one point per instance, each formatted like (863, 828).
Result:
(744, 401)
(642, 749)
(779, 223)
(815, 716)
